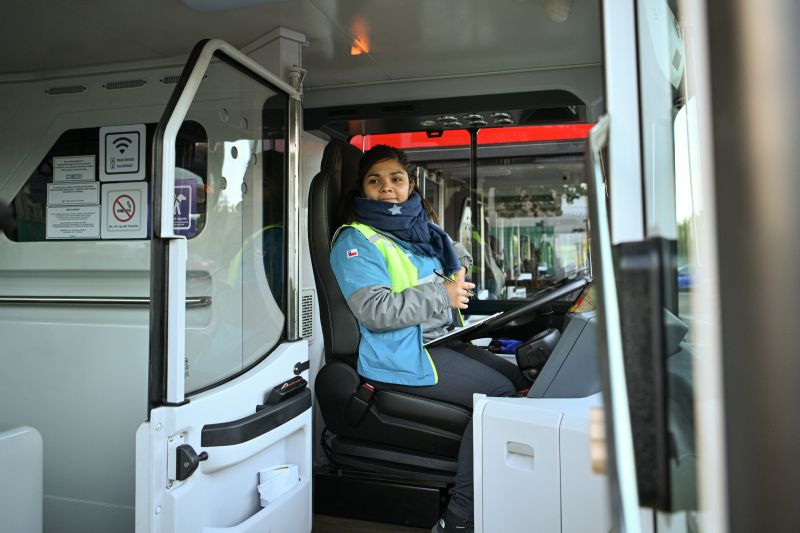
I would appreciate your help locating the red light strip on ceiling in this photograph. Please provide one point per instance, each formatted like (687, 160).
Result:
(486, 136)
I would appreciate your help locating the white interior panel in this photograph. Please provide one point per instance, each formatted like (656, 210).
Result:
(535, 452)
(584, 494)
(397, 40)
(222, 494)
(21, 482)
(311, 147)
(518, 457)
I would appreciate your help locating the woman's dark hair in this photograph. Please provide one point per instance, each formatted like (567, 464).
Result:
(376, 154)
(382, 152)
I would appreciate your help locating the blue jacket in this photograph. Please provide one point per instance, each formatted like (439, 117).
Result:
(391, 324)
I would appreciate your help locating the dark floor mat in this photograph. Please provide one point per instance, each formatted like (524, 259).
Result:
(334, 524)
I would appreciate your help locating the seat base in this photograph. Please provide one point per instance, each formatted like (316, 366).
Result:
(390, 418)
(378, 498)
(369, 457)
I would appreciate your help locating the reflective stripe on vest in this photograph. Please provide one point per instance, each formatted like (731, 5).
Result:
(402, 271)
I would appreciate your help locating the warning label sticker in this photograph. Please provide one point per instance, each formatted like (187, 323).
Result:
(73, 194)
(73, 168)
(73, 222)
(122, 152)
(124, 211)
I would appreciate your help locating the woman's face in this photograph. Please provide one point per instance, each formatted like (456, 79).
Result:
(387, 181)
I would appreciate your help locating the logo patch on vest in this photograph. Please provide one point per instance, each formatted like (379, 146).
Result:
(352, 253)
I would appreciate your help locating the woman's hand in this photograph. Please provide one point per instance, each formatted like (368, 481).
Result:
(457, 291)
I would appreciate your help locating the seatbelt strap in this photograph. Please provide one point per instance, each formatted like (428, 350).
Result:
(359, 404)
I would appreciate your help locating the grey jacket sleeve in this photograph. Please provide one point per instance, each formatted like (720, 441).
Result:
(379, 309)
(463, 255)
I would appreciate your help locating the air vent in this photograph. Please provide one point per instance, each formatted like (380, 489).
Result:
(124, 84)
(67, 89)
(172, 79)
(397, 108)
(307, 314)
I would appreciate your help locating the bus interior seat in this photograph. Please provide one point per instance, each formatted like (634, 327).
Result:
(382, 431)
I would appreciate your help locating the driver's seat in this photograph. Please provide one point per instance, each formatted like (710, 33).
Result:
(375, 430)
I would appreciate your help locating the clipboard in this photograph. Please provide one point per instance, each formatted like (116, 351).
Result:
(460, 330)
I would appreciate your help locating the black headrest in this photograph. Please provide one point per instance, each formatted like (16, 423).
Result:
(338, 175)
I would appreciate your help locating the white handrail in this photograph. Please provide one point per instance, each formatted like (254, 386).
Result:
(622, 467)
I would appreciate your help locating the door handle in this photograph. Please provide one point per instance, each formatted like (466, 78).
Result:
(187, 461)
(264, 420)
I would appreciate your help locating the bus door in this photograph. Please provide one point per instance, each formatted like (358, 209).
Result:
(227, 443)
(649, 176)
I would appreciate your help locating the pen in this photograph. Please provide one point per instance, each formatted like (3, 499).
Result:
(451, 280)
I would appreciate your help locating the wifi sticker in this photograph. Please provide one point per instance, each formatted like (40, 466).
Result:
(122, 152)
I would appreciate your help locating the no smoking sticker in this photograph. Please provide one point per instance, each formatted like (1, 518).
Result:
(124, 208)
(124, 211)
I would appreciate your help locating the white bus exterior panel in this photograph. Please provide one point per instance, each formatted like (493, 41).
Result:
(21, 481)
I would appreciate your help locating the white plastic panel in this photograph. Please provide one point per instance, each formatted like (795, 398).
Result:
(584, 494)
(21, 480)
(222, 494)
(312, 148)
(280, 515)
(532, 469)
(68, 370)
(622, 105)
(517, 456)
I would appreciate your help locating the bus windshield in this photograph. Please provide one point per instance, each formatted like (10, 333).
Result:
(529, 226)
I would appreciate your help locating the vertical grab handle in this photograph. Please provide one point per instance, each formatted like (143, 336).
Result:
(621, 468)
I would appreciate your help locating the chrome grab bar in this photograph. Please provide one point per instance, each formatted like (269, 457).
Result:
(122, 301)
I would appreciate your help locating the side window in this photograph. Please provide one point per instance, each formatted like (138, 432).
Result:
(239, 261)
(68, 197)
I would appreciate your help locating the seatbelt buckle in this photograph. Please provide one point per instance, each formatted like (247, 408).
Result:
(359, 404)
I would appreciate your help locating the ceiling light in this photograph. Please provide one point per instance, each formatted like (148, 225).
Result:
(427, 123)
(360, 43)
(446, 118)
(472, 117)
(452, 124)
(478, 123)
(503, 122)
(500, 115)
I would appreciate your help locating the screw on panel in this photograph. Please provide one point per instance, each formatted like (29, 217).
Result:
(158, 427)
(158, 510)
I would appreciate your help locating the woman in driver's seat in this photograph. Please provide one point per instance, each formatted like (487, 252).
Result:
(385, 260)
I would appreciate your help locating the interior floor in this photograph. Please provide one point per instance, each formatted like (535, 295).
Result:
(334, 524)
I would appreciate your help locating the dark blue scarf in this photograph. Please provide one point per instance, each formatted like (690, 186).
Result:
(409, 222)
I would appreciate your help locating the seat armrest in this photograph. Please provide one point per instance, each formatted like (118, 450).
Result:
(446, 416)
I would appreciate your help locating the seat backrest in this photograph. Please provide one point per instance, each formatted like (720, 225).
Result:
(336, 179)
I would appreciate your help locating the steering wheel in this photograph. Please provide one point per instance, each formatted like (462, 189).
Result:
(546, 296)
